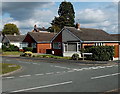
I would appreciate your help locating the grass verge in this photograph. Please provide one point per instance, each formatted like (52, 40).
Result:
(51, 56)
(11, 53)
(6, 68)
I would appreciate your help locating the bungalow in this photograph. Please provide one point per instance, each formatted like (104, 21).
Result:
(14, 40)
(40, 41)
(70, 40)
(1, 36)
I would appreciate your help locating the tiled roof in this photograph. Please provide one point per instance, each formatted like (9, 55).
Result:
(116, 36)
(41, 37)
(15, 38)
(88, 34)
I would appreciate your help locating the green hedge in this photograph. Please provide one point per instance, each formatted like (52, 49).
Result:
(27, 49)
(10, 48)
(100, 53)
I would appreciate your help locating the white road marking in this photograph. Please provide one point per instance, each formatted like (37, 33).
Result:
(78, 69)
(64, 71)
(60, 67)
(85, 68)
(10, 77)
(103, 76)
(94, 68)
(109, 66)
(58, 72)
(38, 74)
(36, 63)
(71, 71)
(25, 76)
(50, 73)
(46, 86)
(101, 66)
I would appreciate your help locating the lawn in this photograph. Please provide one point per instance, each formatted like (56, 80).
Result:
(51, 56)
(11, 53)
(6, 68)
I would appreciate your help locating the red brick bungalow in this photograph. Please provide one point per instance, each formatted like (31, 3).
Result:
(70, 40)
(40, 41)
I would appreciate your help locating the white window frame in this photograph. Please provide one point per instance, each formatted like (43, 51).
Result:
(58, 46)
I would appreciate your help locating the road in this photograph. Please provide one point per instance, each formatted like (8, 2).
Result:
(38, 76)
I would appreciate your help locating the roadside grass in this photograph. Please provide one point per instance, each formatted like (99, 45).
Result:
(51, 56)
(11, 53)
(6, 68)
(0, 50)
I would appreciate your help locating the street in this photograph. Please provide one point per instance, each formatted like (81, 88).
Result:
(59, 77)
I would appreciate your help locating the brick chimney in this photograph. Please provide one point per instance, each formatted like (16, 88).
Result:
(14, 34)
(77, 26)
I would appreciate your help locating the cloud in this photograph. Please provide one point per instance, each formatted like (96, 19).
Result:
(105, 18)
(26, 15)
(23, 10)
(91, 16)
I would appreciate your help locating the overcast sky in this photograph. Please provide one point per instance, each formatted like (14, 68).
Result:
(101, 15)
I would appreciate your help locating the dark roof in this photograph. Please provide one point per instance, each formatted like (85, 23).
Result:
(42, 29)
(116, 36)
(15, 38)
(88, 34)
(41, 37)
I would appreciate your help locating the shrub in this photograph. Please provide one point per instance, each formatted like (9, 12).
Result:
(100, 53)
(10, 48)
(4, 48)
(27, 54)
(75, 56)
(27, 49)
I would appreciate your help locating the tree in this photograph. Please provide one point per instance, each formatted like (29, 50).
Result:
(10, 29)
(66, 16)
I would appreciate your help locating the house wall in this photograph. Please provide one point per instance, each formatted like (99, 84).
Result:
(15, 44)
(0, 45)
(29, 40)
(56, 40)
(87, 45)
(42, 47)
(1, 40)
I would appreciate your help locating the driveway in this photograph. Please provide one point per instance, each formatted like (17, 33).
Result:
(38, 76)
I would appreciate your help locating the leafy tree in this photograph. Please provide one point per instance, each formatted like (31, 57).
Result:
(66, 16)
(10, 29)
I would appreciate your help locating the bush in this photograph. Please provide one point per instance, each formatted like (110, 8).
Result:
(100, 53)
(27, 49)
(10, 48)
(75, 56)
(27, 54)
(4, 48)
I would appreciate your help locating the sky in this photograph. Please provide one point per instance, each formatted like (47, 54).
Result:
(99, 15)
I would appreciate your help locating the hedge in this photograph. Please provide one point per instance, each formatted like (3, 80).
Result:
(100, 53)
(10, 48)
(27, 49)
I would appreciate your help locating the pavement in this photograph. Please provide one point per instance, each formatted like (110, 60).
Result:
(39, 75)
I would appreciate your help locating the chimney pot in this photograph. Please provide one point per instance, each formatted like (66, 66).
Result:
(14, 34)
(77, 26)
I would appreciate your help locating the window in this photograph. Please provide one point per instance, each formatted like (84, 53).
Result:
(23, 45)
(34, 45)
(57, 45)
(98, 44)
(66, 47)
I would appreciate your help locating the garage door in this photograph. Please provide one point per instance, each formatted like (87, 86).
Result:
(72, 47)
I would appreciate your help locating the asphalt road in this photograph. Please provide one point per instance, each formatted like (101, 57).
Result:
(59, 77)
